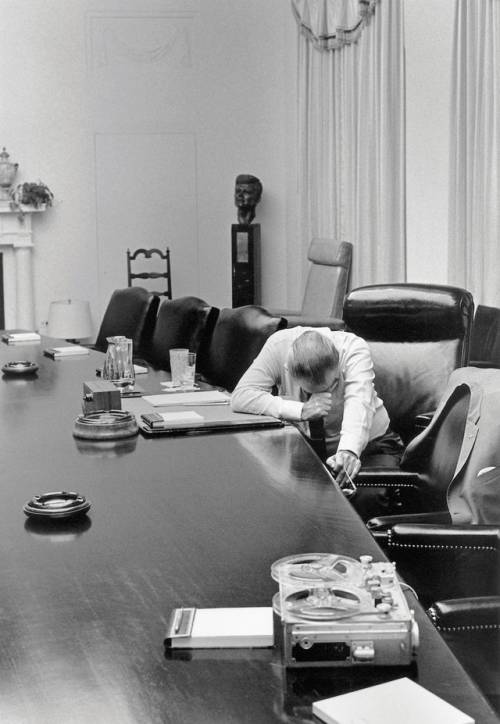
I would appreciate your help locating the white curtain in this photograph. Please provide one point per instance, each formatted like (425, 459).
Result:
(352, 143)
(474, 224)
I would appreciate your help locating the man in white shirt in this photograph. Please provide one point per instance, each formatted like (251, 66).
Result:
(321, 374)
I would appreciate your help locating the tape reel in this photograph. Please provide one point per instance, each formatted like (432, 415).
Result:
(316, 568)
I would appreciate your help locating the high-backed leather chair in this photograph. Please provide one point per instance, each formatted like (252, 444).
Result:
(325, 288)
(237, 339)
(182, 322)
(417, 334)
(130, 312)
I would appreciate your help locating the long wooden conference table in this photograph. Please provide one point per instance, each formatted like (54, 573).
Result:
(183, 521)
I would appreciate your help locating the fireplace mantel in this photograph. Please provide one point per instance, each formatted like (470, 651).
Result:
(16, 245)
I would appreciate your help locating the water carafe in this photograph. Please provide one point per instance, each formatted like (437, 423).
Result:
(118, 364)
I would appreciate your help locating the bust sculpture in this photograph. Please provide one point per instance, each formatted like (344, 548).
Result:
(247, 193)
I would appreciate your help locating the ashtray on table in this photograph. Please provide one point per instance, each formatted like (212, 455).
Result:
(56, 505)
(19, 367)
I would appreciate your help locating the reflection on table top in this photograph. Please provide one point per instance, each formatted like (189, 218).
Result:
(174, 522)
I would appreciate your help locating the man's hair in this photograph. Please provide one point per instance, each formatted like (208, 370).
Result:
(311, 356)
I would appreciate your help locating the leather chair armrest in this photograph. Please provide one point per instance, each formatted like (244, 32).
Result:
(388, 478)
(383, 523)
(474, 612)
(479, 537)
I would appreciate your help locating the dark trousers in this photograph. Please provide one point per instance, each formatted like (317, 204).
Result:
(383, 452)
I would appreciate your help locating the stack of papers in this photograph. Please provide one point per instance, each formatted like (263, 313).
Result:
(190, 399)
(398, 701)
(21, 337)
(70, 351)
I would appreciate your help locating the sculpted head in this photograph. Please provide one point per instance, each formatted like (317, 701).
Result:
(247, 193)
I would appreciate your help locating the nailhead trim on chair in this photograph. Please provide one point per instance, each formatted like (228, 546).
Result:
(432, 613)
(385, 485)
(430, 546)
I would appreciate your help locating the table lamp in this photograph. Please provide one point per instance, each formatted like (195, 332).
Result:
(69, 319)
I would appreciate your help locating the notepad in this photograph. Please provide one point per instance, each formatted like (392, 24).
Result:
(164, 419)
(70, 351)
(393, 702)
(21, 337)
(191, 399)
(204, 628)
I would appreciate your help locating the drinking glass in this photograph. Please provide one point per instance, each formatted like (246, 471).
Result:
(178, 363)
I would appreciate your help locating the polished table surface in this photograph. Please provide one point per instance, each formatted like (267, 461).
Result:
(184, 521)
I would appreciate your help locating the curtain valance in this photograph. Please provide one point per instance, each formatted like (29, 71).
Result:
(331, 24)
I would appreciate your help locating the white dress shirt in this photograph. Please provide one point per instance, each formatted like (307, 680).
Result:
(357, 414)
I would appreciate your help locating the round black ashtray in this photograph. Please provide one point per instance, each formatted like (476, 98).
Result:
(21, 367)
(56, 505)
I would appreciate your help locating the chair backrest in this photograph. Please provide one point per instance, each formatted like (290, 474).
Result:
(485, 341)
(328, 278)
(149, 254)
(132, 313)
(237, 339)
(417, 334)
(182, 322)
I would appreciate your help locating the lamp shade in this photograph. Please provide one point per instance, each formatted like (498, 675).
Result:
(69, 319)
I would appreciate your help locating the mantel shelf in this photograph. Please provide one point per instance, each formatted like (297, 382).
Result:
(5, 208)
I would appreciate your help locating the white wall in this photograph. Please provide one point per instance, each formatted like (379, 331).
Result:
(139, 114)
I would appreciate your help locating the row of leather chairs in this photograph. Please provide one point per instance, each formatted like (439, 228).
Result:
(225, 340)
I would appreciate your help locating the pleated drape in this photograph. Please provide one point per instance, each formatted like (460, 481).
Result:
(351, 145)
(474, 224)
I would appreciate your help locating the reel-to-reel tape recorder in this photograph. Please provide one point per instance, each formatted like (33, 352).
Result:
(333, 610)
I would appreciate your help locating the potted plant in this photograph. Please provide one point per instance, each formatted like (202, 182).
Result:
(34, 194)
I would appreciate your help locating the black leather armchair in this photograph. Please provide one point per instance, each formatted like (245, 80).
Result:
(455, 571)
(131, 312)
(237, 339)
(417, 334)
(471, 628)
(182, 322)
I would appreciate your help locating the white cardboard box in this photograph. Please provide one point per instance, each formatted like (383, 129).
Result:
(395, 702)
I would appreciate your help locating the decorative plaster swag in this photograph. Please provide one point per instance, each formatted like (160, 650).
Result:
(331, 24)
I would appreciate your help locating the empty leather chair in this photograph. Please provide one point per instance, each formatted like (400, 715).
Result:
(237, 339)
(471, 628)
(182, 322)
(417, 334)
(325, 288)
(131, 312)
